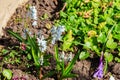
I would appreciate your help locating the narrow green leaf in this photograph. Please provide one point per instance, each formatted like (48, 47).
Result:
(69, 76)
(70, 65)
(36, 59)
(16, 35)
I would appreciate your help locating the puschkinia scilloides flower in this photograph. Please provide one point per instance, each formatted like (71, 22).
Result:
(70, 57)
(42, 43)
(99, 72)
(33, 15)
(64, 57)
(56, 33)
(25, 32)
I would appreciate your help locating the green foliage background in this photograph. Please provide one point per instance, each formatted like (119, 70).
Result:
(95, 24)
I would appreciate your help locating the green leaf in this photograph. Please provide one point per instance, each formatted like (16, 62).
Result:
(118, 48)
(60, 65)
(88, 45)
(105, 66)
(117, 28)
(7, 73)
(69, 76)
(119, 54)
(83, 55)
(117, 59)
(16, 35)
(29, 56)
(111, 44)
(117, 36)
(96, 49)
(62, 14)
(56, 53)
(101, 25)
(70, 65)
(108, 57)
(101, 38)
(35, 57)
(67, 41)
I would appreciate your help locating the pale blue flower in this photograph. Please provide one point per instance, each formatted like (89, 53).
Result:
(56, 33)
(70, 57)
(33, 12)
(34, 23)
(33, 15)
(25, 32)
(42, 44)
(62, 56)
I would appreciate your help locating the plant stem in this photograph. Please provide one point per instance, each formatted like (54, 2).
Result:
(40, 73)
(108, 37)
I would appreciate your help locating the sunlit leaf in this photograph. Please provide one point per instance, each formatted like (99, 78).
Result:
(101, 38)
(7, 73)
(108, 56)
(68, 39)
(83, 55)
(111, 44)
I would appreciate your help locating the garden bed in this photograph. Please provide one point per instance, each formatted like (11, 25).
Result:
(50, 13)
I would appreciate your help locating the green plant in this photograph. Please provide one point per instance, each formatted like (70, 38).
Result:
(7, 73)
(62, 71)
(90, 23)
(31, 45)
(95, 27)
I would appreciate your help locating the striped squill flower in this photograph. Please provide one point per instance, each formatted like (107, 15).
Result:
(33, 15)
(42, 44)
(56, 33)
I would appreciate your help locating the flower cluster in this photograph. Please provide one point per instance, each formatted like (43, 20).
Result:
(56, 33)
(33, 15)
(42, 44)
(70, 57)
(99, 73)
(62, 57)
(25, 32)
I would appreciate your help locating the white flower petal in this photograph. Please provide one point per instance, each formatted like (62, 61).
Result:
(112, 78)
(34, 23)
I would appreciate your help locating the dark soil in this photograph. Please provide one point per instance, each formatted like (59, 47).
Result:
(20, 21)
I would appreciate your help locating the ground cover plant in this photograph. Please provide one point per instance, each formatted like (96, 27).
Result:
(82, 30)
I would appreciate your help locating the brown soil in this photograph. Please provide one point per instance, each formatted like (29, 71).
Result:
(20, 21)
